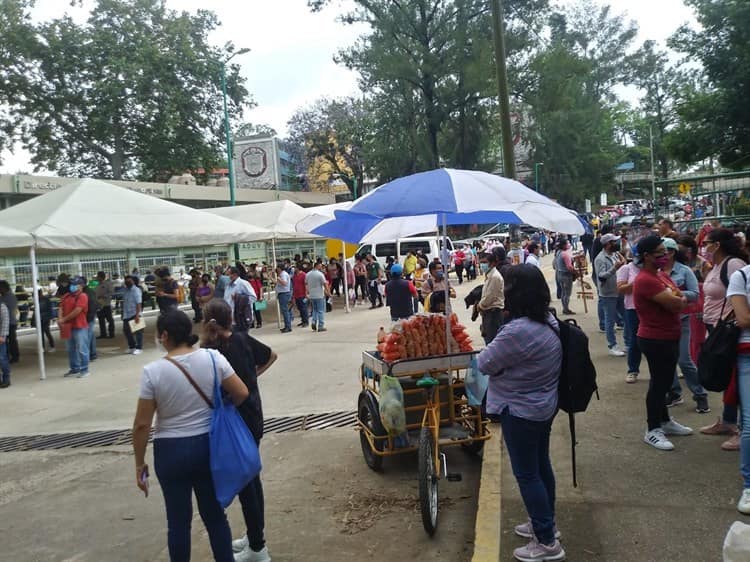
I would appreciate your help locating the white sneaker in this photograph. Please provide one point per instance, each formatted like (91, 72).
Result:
(137, 351)
(249, 555)
(657, 439)
(616, 352)
(673, 428)
(130, 351)
(526, 530)
(743, 506)
(238, 545)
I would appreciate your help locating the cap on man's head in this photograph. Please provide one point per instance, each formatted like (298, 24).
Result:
(397, 269)
(77, 280)
(669, 243)
(609, 237)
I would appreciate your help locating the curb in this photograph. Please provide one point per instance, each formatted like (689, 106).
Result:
(487, 526)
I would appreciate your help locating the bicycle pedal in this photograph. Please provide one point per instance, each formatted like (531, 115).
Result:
(454, 477)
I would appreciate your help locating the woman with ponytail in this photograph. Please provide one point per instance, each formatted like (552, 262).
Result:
(249, 358)
(177, 388)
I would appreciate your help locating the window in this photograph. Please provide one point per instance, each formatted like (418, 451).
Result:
(414, 246)
(450, 244)
(364, 250)
(388, 249)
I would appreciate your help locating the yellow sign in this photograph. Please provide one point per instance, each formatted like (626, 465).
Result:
(684, 188)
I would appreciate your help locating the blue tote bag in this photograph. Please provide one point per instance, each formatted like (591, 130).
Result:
(235, 459)
(234, 456)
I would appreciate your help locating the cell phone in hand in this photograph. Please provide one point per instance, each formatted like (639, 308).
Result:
(144, 481)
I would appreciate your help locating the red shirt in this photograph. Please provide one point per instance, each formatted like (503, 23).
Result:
(656, 322)
(71, 301)
(257, 285)
(298, 285)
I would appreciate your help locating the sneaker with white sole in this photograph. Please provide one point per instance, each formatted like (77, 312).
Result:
(673, 428)
(657, 439)
(743, 506)
(238, 545)
(130, 351)
(536, 552)
(616, 352)
(526, 530)
(249, 555)
(630, 378)
(137, 351)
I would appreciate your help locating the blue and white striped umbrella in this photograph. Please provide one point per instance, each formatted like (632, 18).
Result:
(465, 197)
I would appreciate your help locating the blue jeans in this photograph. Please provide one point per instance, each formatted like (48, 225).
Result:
(78, 350)
(686, 364)
(318, 312)
(4, 362)
(600, 312)
(303, 310)
(634, 352)
(743, 385)
(284, 300)
(610, 318)
(182, 467)
(621, 313)
(92, 342)
(528, 447)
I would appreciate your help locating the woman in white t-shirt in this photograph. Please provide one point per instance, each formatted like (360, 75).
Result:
(181, 450)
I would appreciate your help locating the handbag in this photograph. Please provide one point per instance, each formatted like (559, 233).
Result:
(261, 305)
(234, 455)
(718, 354)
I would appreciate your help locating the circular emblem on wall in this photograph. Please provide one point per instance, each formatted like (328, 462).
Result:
(254, 161)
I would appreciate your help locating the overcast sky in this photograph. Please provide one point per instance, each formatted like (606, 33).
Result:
(291, 60)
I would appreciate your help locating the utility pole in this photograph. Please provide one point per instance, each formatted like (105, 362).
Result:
(653, 173)
(509, 159)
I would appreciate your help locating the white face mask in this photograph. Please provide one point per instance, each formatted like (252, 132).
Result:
(159, 346)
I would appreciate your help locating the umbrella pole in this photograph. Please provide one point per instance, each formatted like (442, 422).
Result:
(37, 314)
(346, 284)
(446, 266)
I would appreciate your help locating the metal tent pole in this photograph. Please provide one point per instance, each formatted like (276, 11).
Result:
(37, 314)
(346, 284)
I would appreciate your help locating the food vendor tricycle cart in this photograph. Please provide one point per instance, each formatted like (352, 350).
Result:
(438, 415)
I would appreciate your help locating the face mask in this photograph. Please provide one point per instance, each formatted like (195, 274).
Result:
(72, 288)
(661, 262)
(159, 346)
(439, 275)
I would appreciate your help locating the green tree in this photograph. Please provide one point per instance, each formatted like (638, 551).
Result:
(714, 113)
(134, 92)
(335, 131)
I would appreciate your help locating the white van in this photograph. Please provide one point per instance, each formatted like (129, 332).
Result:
(429, 245)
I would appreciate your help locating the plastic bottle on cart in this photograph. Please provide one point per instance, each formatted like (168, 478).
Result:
(381, 335)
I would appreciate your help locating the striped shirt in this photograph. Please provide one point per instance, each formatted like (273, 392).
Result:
(523, 362)
(4, 321)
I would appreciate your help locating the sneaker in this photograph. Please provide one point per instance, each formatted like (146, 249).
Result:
(657, 439)
(4, 384)
(673, 399)
(719, 428)
(616, 352)
(731, 444)
(314, 327)
(137, 351)
(82, 375)
(526, 530)
(71, 373)
(673, 428)
(322, 329)
(743, 506)
(630, 378)
(238, 545)
(701, 404)
(602, 330)
(130, 351)
(619, 328)
(51, 350)
(536, 552)
(249, 555)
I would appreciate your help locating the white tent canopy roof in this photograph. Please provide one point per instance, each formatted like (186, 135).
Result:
(12, 238)
(95, 215)
(278, 217)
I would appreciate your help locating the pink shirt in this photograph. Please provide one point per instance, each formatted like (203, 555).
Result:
(715, 291)
(628, 273)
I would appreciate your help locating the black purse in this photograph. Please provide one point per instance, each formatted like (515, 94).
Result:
(718, 356)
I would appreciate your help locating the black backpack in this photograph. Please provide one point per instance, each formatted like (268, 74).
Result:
(577, 377)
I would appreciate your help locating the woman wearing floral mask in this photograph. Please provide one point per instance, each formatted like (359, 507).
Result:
(724, 251)
(658, 303)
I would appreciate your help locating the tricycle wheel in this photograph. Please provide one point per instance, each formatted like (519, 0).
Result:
(475, 429)
(369, 416)
(428, 482)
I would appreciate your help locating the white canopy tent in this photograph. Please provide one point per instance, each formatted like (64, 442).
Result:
(94, 215)
(12, 238)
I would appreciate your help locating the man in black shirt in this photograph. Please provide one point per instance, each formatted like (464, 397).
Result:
(166, 291)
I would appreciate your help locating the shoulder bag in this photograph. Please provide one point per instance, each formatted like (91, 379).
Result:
(234, 455)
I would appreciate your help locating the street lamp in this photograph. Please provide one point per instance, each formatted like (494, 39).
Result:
(536, 175)
(230, 167)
